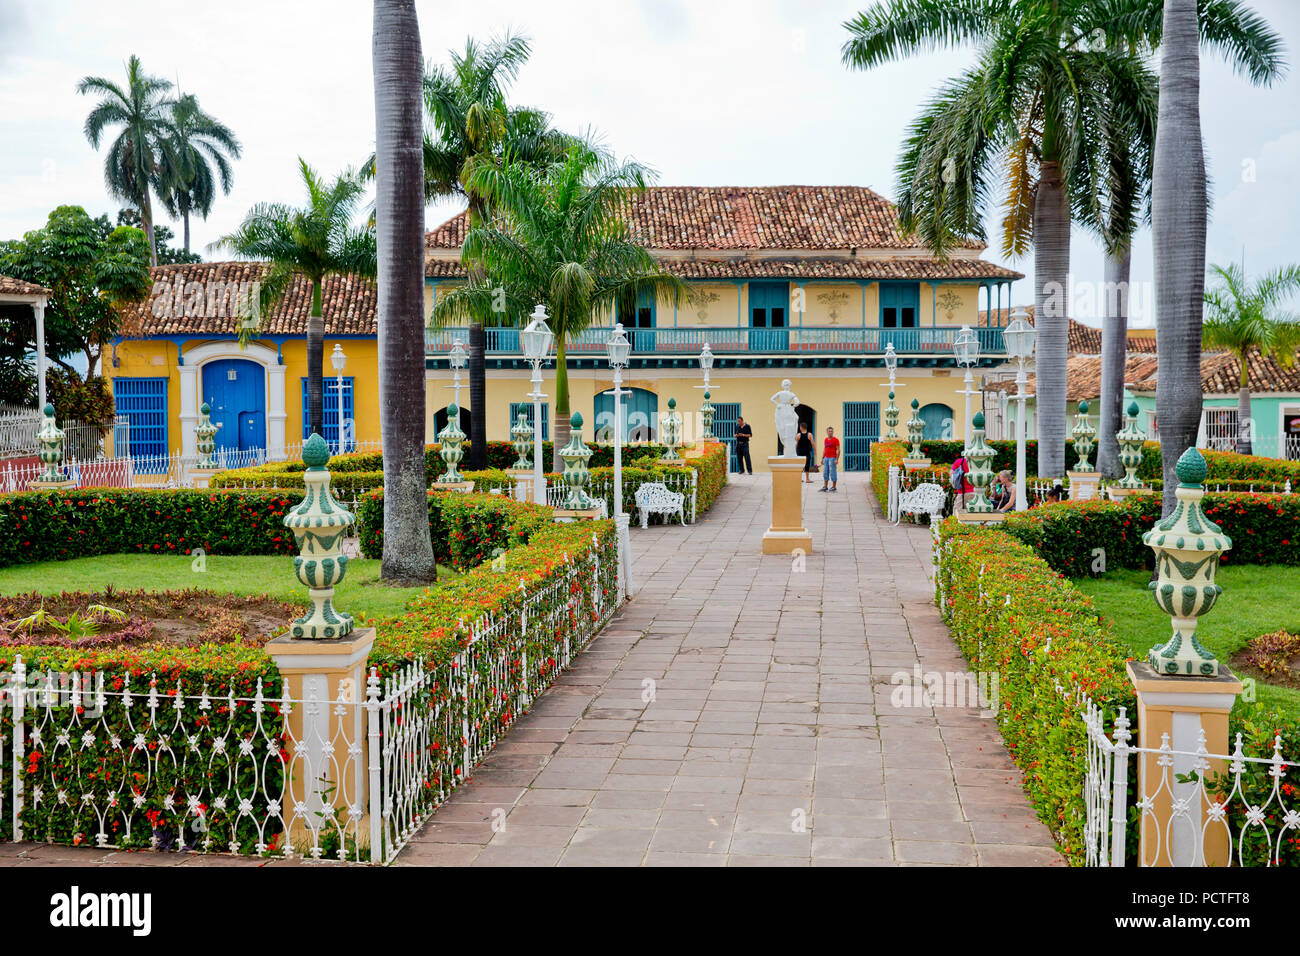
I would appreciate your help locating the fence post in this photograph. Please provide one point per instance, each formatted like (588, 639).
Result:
(374, 803)
(18, 695)
(1119, 790)
(695, 483)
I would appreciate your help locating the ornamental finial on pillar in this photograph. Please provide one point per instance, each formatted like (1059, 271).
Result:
(576, 474)
(49, 441)
(319, 524)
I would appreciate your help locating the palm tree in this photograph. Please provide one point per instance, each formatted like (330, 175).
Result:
(399, 207)
(194, 145)
(133, 167)
(471, 126)
(1241, 317)
(314, 240)
(560, 238)
(1031, 111)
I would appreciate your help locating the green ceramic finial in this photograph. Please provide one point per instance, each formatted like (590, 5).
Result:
(206, 409)
(1132, 409)
(1083, 408)
(575, 420)
(707, 396)
(672, 403)
(1191, 468)
(315, 453)
(915, 403)
(891, 395)
(978, 420)
(49, 410)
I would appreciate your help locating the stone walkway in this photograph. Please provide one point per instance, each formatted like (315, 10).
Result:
(738, 712)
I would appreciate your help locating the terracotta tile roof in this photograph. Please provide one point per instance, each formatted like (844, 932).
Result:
(1080, 340)
(734, 218)
(892, 267)
(11, 286)
(1221, 375)
(199, 299)
(1083, 376)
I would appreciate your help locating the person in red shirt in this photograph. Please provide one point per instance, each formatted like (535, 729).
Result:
(830, 461)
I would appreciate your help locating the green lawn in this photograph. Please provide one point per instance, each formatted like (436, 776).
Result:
(1256, 600)
(360, 594)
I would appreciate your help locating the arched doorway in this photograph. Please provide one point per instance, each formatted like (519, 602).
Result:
(236, 391)
(938, 421)
(463, 420)
(640, 415)
(807, 416)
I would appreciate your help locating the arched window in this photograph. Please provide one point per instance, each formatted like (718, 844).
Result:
(640, 415)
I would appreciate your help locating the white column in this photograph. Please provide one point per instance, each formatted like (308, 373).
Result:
(39, 309)
(275, 412)
(189, 411)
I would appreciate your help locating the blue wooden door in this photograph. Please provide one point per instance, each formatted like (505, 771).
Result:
(724, 428)
(236, 390)
(861, 428)
(769, 309)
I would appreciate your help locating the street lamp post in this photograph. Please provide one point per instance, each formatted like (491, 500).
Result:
(457, 360)
(706, 410)
(618, 349)
(966, 349)
(1019, 337)
(339, 360)
(536, 339)
(891, 413)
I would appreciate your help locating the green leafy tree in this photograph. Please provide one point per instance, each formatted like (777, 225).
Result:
(1246, 318)
(1052, 77)
(312, 241)
(140, 112)
(162, 235)
(560, 237)
(196, 158)
(399, 204)
(469, 125)
(90, 267)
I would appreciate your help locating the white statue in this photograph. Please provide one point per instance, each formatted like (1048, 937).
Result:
(787, 418)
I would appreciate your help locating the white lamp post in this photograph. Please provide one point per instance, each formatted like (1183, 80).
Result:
(966, 348)
(618, 349)
(1019, 338)
(338, 360)
(706, 364)
(536, 340)
(706, 411)
(458, 361)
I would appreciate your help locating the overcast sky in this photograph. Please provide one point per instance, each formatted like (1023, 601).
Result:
(706, 93)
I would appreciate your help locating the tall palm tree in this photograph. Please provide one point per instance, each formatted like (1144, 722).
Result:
(471, 126)
(399, 217)
(1243, 318)
(133, 167)
(1032, 112)
(315, 240)
(195, 143)
(560, 238)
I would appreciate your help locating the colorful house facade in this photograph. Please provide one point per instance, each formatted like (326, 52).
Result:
(801, 282)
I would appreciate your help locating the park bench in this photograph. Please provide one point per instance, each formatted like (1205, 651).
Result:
(926, 498)
(653, 497)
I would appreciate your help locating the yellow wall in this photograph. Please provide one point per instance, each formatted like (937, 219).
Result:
(825, 390)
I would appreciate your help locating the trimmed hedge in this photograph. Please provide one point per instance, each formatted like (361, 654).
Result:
(59, 526)
(465, 529)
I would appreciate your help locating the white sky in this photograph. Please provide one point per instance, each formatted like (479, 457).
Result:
(707, 93)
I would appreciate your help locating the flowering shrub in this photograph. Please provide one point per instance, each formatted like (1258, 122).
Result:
(58, 526)
(465, 529)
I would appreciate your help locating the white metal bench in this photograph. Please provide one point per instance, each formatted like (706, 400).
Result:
(926, 498)
(654, 497)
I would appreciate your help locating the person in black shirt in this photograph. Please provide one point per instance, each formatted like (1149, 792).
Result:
(743, 434)
(803, 446)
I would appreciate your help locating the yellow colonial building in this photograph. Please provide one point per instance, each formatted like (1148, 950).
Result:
(808, 283)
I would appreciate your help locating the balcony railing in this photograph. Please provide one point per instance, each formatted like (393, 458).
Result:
(796, 340)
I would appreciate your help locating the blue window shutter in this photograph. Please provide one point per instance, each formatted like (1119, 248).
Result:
(861, 428)
(330, 409)
(144, 403)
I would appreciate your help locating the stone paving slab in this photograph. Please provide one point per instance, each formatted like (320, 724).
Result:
(739, 711)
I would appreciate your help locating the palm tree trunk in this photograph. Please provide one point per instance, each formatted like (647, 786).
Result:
(185, 216)
(146, 219)
(477, 361)
(561, 431)
(1178, 231)
(1051, 308)
(1245, 423)
(315, 363)
(399, 204)
(1114, 355)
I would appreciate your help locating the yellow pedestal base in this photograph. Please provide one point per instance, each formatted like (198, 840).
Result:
(981, 517)
(462, 486)
(52, 485)
(916, 464)
(1115, 493)
(787, 533)
(1083, 484)
(577, 514)
(202, 477)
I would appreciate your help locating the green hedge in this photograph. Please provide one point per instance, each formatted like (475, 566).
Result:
(59, 526)
(465, 529)
(1265, 529)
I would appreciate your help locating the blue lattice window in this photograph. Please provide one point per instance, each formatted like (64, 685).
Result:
(143, 402)
(330, 412)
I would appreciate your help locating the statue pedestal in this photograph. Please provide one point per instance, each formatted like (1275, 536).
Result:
(318, 673)
(1116, 493)
(1083, 484)
(981, 517)
(916, 464)
(579, 514)
(202, 477)
(463, 486)
(63, 485)
(787, 532)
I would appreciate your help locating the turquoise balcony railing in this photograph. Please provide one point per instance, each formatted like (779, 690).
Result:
(723, 340)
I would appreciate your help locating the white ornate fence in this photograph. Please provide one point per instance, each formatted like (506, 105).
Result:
(1246, 806)
(115, 761)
